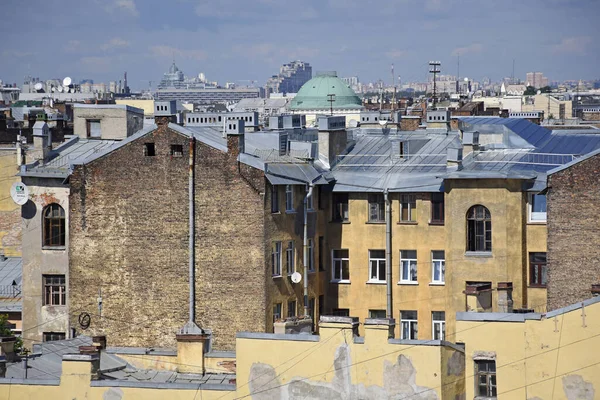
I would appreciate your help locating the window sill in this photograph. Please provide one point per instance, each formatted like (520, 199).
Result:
(54, 247)
(413, 283)
(537, 222)
(290, 211)
(537, 287)
(436, 223)
(276, 212)
(54, 305)
(342, 281)
(408, 223)
(482, 254)
(437, 283)
(276, 276)
(376, 282)
(335, 221)
(375, 222)
(312, 271)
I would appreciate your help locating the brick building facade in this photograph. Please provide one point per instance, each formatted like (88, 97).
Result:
(573, 231)
(129, 239)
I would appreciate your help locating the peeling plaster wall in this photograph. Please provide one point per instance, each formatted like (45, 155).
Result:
(334, 367)
(551, 358)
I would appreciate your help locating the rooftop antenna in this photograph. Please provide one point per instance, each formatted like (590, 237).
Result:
(458, 72)
(394, 85)
(512, 77)
(434, 70)
(331, 99)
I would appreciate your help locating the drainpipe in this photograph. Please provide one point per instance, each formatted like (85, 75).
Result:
(192, 231)
(388, 253)
(305, 245)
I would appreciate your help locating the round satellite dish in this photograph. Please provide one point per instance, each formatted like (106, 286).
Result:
(382, 122)
(19, 193)
(60, 89)
(38, 86)
(296, 277)
(353, 123)
(466, 79)
(67, 81)
(539, 92)
(53, 89)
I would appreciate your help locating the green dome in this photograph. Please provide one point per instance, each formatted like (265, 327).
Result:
(313, 94)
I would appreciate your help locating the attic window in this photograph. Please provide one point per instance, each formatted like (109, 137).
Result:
(149, 150)
(176, 150)
(401, 150)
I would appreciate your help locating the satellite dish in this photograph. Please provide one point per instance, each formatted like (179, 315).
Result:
(539, 92)
(353, 123)
(38, 86)
(53, 89)
(67, 81)
(296, 277)
(382, 122)
(60, 89)
(19, 193)
(466, 79)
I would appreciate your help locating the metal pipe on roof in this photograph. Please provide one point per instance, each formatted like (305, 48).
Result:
(305, 245)
(388, 253)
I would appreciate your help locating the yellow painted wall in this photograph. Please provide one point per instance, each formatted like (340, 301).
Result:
(146, 105)
(10, 212)
(551, 358)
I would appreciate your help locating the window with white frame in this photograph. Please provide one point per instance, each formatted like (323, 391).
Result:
(438, 266)
(537, 207)
(408, 266)
(408, 323)
(438, 323)
(290, 257)
(408, 206)
(291, 309)
(289, 198)
(340, 265)
(311, 255)
(276, 312)
(377, 266)
(276, 259)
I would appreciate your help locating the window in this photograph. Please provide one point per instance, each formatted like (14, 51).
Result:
(437, 208)
(438, 319)
(341, 312)
(340, 265)
(479, 229)
(438, 266)
(289, 198)
(321, 253)
(537, 269)
(52, 336)
(274, 199)
(339, 212)
(320, 199)
(311, 256)
(149, 150)
(276, 312)
(289, 258)
(94, 129)
(276, 259)
(176, 150)
(55, 290)
(537, 207)
(377, 314)
(376, 207)
(408, 206)
(377, 266)
(408, 321)
(311, 308)
(54, 226)
(408, 265)
(486, 378)
(291, 309)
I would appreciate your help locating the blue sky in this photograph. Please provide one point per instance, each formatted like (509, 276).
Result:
(232, 40)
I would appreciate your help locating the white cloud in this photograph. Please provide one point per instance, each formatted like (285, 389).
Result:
(472, 48)
(573, 45)
(174, 52)
(115, 43)
(127, 6)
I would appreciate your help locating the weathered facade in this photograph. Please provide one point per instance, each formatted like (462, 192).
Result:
(573, 243)
(129, 240)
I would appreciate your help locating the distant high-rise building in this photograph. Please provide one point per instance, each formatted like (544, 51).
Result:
(536, 79)
(290, 79)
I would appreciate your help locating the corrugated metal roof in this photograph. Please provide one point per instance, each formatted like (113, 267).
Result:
(11, 271)
(534, 134)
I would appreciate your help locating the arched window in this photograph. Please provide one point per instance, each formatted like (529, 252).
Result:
(53, 226)
(479, 229)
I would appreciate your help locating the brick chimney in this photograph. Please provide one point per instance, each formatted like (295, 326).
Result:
(505, 301)
(42, 140)
(333, 139)
(234, 131)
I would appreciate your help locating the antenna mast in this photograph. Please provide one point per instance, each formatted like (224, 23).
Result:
(512, 77)
(331, 99)
(394, 85)
(434, 70)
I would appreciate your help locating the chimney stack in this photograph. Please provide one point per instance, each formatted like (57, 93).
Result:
(333, 139)
(42, 140)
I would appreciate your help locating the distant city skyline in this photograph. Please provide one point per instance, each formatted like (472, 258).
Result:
(235, 40)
